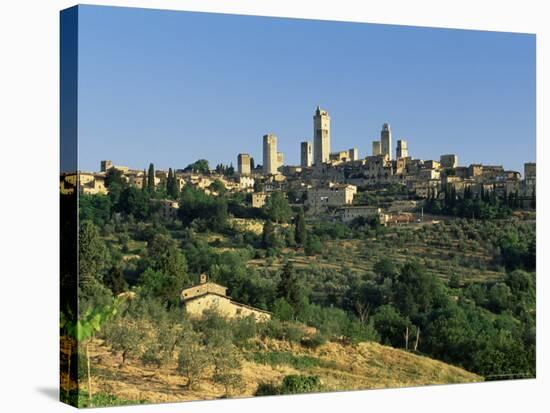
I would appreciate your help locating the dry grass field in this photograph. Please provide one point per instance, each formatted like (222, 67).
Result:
(340, 367)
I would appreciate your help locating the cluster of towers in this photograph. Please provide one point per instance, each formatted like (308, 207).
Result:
(384, 146)
(319, 152)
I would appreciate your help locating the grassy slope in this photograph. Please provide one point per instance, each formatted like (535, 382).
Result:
(340, 367)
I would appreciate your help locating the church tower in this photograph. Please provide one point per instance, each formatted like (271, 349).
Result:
(385, 140)
(321, 136)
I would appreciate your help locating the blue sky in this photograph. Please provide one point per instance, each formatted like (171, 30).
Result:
(171, 87)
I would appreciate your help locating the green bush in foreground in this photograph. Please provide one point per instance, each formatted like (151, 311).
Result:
(295, 384)
(292, 384)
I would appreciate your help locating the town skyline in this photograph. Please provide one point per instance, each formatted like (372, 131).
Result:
(257, 154)
(146, 96)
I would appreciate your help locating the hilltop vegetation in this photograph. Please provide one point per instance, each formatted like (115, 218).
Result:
(216, 358)
(461, 291)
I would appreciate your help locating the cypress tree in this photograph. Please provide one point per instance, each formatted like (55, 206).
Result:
(151, 178)
(144, 182)
(169, 182)
(300, 234)
(174, 189)
(291, 289)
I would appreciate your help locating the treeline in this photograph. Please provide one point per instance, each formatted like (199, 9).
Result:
(484, 205)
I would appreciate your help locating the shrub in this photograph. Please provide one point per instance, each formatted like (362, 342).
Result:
(294, 384)
(244, 329)
(314, 341)
(267, 389)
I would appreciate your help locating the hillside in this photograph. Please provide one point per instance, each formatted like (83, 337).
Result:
(366, 365)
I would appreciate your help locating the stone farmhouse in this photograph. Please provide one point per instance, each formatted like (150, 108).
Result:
(209, 295)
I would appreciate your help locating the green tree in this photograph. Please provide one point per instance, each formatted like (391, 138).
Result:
(199, 166)
(300, 232)
(151, 178)
(276, 207)
(134, 202)
(500, 297)
(217, 186)
(386, 268)
(416, 291)
(391, 325)
(166, 272)
(193, 360)
(173, 188)
(93, 256)
(291, 289)
(95, 208)
(126, 335)
(114, 280)
(313, 245)
(226, 360)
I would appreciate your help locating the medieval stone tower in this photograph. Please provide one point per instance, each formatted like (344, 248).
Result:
(385, 140)
(402, 151)
(321, 136)
(270, 154)
(243, 164)
(306, 154)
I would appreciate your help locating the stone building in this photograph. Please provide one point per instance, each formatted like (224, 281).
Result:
(270, 154)
(321, 136)
(106, 165)
(448, 161)
(245, 182)
(376, 148)
(243, 164)
(333, 195)
(208, 295)
(167, 208)
(258, 199)
(306, 154)
(341, 156)
(385, 140)
(401, 151)
(353, 154)
(475, 170)
(350, 212)
(87, 183)
(529, 182)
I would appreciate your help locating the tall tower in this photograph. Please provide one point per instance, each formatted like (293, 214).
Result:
(243, 164)
(376, 150)
(270, 154)
(106, 165)
(306, 154)
(321, 136)
(353, 154)
(385, 140)
(402, 151)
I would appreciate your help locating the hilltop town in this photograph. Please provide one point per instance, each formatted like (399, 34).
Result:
(330, 183)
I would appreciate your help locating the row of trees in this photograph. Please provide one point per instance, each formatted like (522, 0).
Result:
(483, 205)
